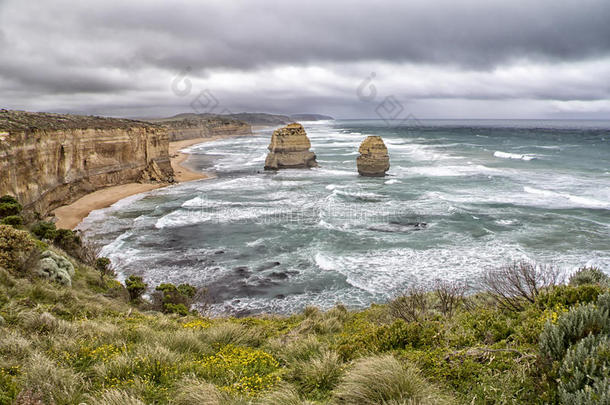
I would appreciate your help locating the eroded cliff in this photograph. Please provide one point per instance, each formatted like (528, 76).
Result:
(192, 126)
(48, 160)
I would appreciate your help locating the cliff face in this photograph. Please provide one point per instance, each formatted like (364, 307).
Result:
(48, 160)
(373, 160)
(289, 148)
(191, 126)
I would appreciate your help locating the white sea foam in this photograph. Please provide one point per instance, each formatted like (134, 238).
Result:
(565, 198)
(517, 156)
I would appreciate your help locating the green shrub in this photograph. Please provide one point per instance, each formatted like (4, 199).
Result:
(8, 199)
(585, 368)
(12, 220)
(135, 286)
(44, 230)
(69, 241)
(383, 380)
(172, 299)
(589, 275)
(10, 208)
(16, 248)
(568, 295)
(577, 324)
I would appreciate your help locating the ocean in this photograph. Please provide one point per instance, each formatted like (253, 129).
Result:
(461, 197)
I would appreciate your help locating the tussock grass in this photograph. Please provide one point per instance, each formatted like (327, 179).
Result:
(55, 384)
(115, 397)
(196, 391)
(230, 333)
(284, 395)
(383, 380)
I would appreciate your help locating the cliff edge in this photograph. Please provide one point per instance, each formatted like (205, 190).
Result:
(48, 160)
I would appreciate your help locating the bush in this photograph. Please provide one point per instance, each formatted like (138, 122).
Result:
(8, 199)
(589, 275)
(12, 220)
(16, 248)
(577, 324)
(567, 295)
(136, 287)
(383, 380)
(585, 367)
(172, 299)
(513, 285)
(410, 306)
(10, 208)
(44, 230)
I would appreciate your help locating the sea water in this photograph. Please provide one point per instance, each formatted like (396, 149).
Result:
(460, 198)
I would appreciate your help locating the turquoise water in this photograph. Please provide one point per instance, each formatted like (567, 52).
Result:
(461, 197)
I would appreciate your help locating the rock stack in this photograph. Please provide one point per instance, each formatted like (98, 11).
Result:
(289, 148)
(373, 160)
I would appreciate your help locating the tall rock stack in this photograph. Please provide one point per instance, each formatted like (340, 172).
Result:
(373, 160)
(289, 149)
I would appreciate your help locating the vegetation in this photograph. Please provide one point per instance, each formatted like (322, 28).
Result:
(96, 341)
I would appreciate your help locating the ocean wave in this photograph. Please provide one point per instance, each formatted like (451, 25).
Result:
(517, 156)
(582, 201)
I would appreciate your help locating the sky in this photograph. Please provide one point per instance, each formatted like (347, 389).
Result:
(348, 59)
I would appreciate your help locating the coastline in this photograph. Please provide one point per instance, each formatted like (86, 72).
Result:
(69, 216)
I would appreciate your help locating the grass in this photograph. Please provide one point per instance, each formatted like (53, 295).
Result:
(87, 343)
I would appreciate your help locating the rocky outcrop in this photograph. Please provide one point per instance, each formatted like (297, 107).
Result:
(373, 160)
(289, 148)
(49, 160)
(192, 126)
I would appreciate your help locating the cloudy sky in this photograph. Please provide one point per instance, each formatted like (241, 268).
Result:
(433, 59)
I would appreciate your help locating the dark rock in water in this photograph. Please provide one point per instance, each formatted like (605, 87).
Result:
(265, 283)
(219, 252)
(242, 271)
(280, 297)
(399, 227)
(267, 266)
(279, 275)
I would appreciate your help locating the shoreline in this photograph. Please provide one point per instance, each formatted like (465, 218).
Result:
(69, 216)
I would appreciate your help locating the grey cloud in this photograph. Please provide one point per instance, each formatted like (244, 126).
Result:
(125, 52)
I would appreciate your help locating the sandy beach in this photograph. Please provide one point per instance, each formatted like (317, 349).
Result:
(69, 216)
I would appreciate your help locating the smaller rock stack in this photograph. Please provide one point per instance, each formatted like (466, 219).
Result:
(373, 160)
(289, 149)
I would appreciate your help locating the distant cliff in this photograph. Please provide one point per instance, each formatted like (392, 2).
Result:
(191, 126)
(48, 160)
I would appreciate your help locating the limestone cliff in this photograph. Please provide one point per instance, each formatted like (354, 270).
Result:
(289, 148)
(48, 160)
(192, 126)
(373, 160)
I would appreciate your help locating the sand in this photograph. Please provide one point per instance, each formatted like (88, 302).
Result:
(69, 216)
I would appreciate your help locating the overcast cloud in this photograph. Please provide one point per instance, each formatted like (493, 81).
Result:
(440, 59)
